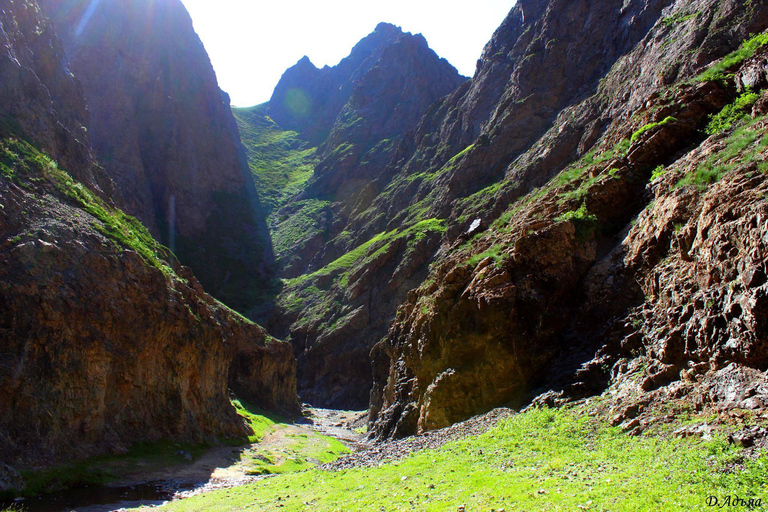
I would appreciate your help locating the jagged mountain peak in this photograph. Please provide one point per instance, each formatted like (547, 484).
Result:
(308, 99)
(305, 62)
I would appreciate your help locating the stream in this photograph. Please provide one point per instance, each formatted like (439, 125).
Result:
(218, 468)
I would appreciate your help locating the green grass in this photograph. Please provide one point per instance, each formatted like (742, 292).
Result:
(584, 222)
(299, 450)
(538, 460)
(651, 126)
(496, 253)
(315, 297)
(23, 164)
(258, 419)
(733, 114)
(658, 172)
(373, 247)
(719, 70)
(746, 144)
(306, 220)
(281, 163)
(678, 19)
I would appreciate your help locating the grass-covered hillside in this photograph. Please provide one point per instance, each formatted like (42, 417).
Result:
(281, 163)
(542, 459)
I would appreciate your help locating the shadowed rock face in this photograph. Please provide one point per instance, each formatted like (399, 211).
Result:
(555, 295)
(105, 340)
(308, 100)
(38, 94)
(164, 132)
(101, 350)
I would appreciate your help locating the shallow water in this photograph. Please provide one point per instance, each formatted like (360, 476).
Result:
(102, 499)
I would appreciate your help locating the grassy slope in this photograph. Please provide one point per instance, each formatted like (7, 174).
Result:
(315, 297)
(26, 166)
(538, 460)
(280, 162)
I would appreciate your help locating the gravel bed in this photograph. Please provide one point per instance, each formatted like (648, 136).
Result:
(389, 451)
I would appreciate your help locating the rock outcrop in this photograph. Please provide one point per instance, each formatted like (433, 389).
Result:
(164, 132)
(106, 339)
(548, 297)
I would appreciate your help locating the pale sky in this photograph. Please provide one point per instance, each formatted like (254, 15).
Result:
(252, 42)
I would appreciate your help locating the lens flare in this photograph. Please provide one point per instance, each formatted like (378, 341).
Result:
(298, 102)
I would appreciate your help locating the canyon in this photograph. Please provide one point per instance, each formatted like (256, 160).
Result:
(584, 217)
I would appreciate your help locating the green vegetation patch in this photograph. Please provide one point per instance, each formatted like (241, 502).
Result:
(583, 221)
(496, 253)
(745, 145)
(307, 219)
(288, 448)
(733, 114)
(313, 297)
(678, 19)
(258, 419)
(718, 71)
(21, 162)
(372, 248)
(538, 460)
(281, 163)
(651, 126)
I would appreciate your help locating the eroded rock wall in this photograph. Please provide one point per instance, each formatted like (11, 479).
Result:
(543, 300)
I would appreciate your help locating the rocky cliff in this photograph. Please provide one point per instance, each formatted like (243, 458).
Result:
(106, 339)
(617, 233)
(343, 280)
(164, 132)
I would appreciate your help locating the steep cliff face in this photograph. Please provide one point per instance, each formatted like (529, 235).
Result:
(103, 344)
(344, 280)
(548, 297)
(164, 132)
(39, 95)
(106, 339)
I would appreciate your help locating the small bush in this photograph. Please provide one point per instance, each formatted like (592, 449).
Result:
(658, 172)
(732, 114)
(650, 126)
(584, 222)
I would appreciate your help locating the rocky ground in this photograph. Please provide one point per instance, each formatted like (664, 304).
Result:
(386, 452)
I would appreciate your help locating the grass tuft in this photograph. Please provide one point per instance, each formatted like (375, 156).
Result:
(719, 70)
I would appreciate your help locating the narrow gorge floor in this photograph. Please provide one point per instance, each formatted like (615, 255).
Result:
(321, 436)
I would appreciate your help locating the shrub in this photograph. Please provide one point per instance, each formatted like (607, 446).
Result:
(650, 126)
(732, 114)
